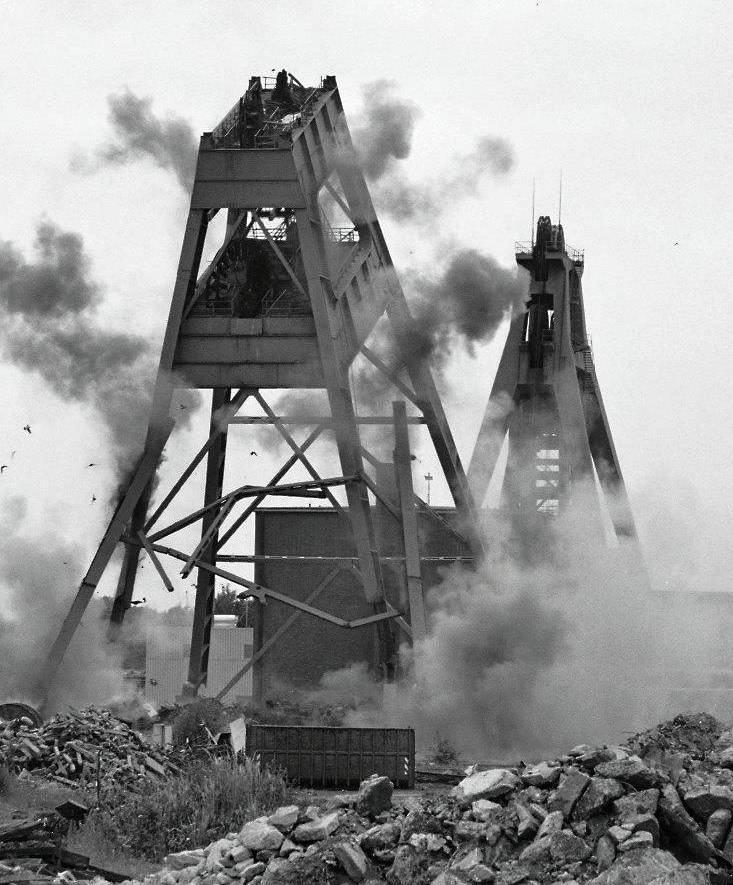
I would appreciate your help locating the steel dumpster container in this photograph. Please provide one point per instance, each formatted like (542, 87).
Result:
(315, 756)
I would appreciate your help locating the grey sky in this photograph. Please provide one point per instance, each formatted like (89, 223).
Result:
(632, 101)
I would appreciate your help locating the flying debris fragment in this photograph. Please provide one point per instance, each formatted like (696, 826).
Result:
(91, 464)
(27, 428)
(94, 498)
(253, 453)
(2, 467)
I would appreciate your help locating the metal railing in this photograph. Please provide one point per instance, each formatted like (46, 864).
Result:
(577, 256)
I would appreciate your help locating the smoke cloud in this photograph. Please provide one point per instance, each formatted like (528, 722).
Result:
(385, 133)
(140, 134)
(385, 136)
(36, 576)
(526, 657)
(418, 203)
(48, 308)
(461, 306)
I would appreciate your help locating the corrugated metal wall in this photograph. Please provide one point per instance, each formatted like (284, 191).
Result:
(166, 663)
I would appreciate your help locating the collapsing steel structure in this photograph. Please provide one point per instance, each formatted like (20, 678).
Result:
(545, 401)
(288, 301)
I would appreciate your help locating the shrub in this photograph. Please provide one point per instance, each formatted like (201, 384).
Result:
(190, 724)
(444, 753)
(187, 811)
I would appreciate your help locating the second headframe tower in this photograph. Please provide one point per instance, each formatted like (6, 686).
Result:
(546, 401)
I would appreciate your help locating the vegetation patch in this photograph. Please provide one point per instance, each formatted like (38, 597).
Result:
(213, 797)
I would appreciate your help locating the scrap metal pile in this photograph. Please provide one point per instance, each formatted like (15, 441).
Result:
(80, 748)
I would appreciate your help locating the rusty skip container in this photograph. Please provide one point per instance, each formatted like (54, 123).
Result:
(315, 756)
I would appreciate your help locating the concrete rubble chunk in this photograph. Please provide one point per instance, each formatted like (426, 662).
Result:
(619, 834)
(490, 784)
(485, 810)
(537, 852)
(409, 867)
(566, 847)
(605, 852)
(527, 822)
(569, 791)
(596, 756)
(427, 841)
(728, 846)
(580, 750)
(419, 821)
(682, 829)
(630, 771)
(551, 824)
(481, 873)
(725, 758)
(470, 830)
(182, 859)
(642, 802)
(284, 818)
(255, 870)
(701, 803)
(469, 860)
(644, 823)
(238, 853)
(316, 830)
(288, 847)
(375, 795)
(718, 826)
(258, 835)
(352, 859)
(640, 867)
(597, 796)
(381, 836)
(541, 775)
(642, 839)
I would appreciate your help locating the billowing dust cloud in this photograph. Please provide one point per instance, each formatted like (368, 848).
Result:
(529, 658)
(384, 136)
(141, 134)
(385, 133)
(465, 303)
(34, 572)
(49, 326)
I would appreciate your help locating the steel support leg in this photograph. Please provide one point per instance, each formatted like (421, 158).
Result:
(491, 435)
(128, 571)
(193, 242)
(203, 614)
(331, 331)
(413, 573)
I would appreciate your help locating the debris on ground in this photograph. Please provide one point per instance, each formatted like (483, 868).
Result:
(32, 850)
(79, 747)
(655, 811)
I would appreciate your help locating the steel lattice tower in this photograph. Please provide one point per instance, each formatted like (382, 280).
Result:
(287, 302)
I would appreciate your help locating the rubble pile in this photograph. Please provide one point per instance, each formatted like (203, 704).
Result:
(608, 815)
(81, 746)
(31, 850)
